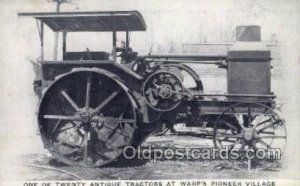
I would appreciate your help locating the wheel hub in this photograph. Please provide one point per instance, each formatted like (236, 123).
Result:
(85, 115)
(165, 91)
(249, 134)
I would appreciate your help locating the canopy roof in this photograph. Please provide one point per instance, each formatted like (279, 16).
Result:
(104, 21)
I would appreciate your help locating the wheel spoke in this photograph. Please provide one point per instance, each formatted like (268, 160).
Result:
(74, 146)
(74, 126)
(230, 125)
(64, 129)
(267, 132)
(263, 122)
(242, 148)
(70, 134)
(254, 147)
(107, 100)
(240, 117)
(156, 85)
(235, 143)
(253, 118)
(114, 148)
(228, 140)
(85, 146)
(88, 91)
(271, 137)
(54, 130)
(249, 116)
(114, 129)
(103, 155)
(120, 120)
(269, 125)
(263, 143)
(68, 98)
(60, 117)
(220, 142)
(219, 134)
(58, 105)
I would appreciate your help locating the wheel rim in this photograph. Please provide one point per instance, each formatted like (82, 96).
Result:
(257, 127)
(86, 119)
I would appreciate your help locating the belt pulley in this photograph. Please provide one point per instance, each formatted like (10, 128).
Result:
(163, 91)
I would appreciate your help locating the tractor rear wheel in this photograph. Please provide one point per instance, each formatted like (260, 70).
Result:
(86, 118)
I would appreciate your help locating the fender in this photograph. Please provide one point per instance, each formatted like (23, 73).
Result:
(99, 71)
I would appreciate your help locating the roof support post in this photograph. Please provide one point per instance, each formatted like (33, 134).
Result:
(114, 37)
(55, 45)
(42, 40)
(64, 47)
(127, 39)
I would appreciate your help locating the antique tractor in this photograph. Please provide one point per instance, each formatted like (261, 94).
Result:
(92, 106)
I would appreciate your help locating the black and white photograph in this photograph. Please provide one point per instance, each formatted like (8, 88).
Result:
(149, 92)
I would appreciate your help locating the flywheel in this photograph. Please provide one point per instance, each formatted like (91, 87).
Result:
(163, 91)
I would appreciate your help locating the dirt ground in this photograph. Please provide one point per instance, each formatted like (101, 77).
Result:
(41, 166)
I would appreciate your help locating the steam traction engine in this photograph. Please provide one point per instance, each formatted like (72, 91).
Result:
(91, 106)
